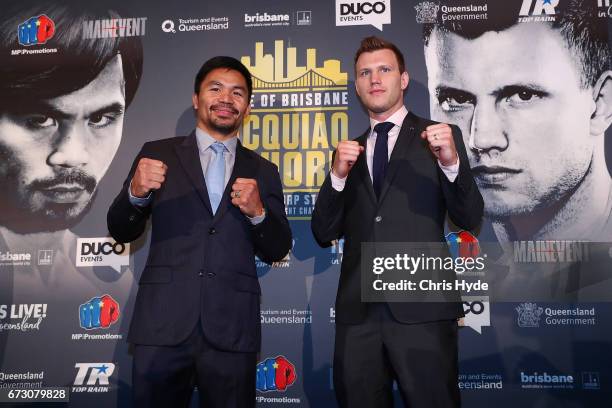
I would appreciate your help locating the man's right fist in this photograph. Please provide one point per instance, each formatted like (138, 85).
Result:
(346, 155)
(149, 175)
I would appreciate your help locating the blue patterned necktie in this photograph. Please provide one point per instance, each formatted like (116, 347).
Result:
(215, 175)
(381, 155)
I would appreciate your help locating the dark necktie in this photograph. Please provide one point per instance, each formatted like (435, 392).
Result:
(381, 155)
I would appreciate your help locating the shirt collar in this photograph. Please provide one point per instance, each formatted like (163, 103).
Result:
(397, 118)
(205, 140)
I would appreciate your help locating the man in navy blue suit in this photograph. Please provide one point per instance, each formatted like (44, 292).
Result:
(214, 205)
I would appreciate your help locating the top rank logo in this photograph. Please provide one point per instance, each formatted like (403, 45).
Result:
(36, 30)
(538, 11)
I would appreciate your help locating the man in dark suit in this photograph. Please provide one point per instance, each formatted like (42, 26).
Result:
(413, 172)
(214, 205)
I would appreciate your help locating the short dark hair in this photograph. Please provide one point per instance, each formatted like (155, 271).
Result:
(577, 21)
(373, 43)
(77, 62)
(223, 62)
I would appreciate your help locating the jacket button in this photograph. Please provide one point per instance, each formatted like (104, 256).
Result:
(211, 274)
(212, 231)
(378, 218)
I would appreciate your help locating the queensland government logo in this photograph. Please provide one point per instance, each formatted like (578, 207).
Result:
(426, 12)
(529, 314)
(299, 114)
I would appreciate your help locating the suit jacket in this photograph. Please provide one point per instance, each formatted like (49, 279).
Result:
(200, 267)
(414, 200)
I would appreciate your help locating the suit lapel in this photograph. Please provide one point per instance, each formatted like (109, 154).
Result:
(245, 166)
(400, 151)
(189, 158)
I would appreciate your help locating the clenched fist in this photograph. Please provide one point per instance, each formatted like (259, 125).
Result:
(346, 155)
(441, 143)
(245, 196)
(149, 175)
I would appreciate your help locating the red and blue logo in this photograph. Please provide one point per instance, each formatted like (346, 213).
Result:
(36, 30)
(98, 313)
(275, 374)
(463, 244)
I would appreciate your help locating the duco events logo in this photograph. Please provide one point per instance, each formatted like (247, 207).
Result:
(477, 312)
(544, 380)
(195, 24)
(299, 114)
(92, 377)
(538, 11)
(371, 12)
(36, 30)
(22, 317)
(102, 252)
(530, 314)
(115, 27)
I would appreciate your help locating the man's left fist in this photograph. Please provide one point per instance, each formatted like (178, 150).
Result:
(441, 143)
(245, 195)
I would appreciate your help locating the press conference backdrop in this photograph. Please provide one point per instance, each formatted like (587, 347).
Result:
(68, 289)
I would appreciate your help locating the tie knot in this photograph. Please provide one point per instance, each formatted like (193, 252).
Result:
(383, 128)
(218, 147)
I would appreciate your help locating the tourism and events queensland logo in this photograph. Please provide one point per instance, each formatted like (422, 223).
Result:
(299, 114)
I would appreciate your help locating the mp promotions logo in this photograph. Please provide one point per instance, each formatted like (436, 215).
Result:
(98, 313)
(275, 374)
(463, 244)
(529, 315)
(102, 252)
(427, 12)
(93, 377)
(299, 114)
(538, 11)
(36, 30)
(371, 12)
